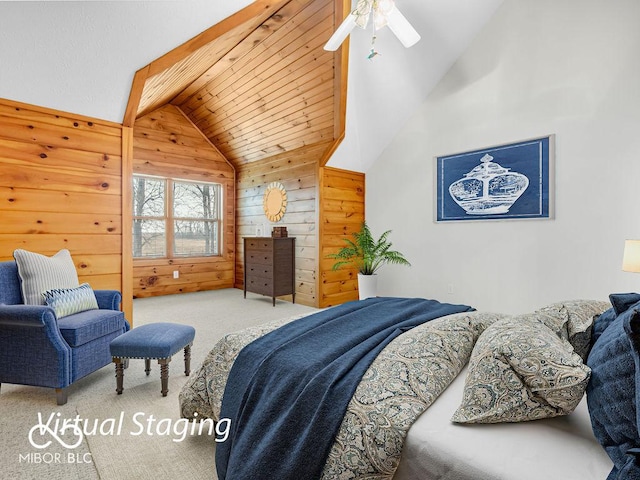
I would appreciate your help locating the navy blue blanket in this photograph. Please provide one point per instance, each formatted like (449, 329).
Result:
(288, 391)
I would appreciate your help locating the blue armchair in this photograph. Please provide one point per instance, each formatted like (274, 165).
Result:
(36, 348)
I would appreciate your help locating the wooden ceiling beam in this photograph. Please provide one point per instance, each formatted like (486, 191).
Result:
(254, 14)
(233, 28)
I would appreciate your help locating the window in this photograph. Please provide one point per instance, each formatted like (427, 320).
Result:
(195, 219)
(149, 219)
(175, 218)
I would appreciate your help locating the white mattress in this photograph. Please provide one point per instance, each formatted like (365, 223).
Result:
(555, 448)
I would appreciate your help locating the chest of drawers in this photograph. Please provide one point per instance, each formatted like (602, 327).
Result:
(269, 266)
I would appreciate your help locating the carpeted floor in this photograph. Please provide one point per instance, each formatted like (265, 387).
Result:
(136, 435)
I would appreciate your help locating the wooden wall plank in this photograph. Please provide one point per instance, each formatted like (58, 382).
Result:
(195, 275)
(68, 137)
(127, 221)
(166, 143)
(341, 214)
(50, 244)
(300, 181)
(35, 154)
(20, 199)
(88, 266)
(27, 222)
(41, 115)
(61, 188)
(49, 177)
(107, 282)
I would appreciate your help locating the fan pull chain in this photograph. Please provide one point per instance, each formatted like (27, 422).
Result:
(373, 52)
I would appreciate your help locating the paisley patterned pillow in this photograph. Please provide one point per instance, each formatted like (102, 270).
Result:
(573, 320)
(521, 370)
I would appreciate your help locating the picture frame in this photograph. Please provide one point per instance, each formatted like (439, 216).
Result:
(509, 181)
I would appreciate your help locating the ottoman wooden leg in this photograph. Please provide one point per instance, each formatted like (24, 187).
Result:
(147, 366)
(164, 375)
(119, 374)
(187, 360)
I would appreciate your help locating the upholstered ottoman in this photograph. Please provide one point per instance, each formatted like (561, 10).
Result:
(153, 341)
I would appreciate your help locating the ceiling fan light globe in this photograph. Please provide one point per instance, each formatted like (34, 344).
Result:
(385, 6)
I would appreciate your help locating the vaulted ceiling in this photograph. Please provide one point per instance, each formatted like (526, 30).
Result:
(256, 84)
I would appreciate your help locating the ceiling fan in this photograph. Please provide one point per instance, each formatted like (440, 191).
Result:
(384, 12)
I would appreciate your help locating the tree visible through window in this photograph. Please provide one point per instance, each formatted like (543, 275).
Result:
(175, 218)
(149, 218)
(195, 214)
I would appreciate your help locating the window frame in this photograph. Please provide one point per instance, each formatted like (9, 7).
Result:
(170, 220)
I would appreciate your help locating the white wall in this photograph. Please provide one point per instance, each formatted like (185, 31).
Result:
(569, 68)
(80, 57)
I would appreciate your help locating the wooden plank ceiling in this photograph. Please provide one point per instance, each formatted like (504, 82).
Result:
(257, 84)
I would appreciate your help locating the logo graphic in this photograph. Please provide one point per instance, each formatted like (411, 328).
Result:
(54, 430)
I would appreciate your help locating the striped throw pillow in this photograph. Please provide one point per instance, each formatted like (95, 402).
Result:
(67, 301)
(39, 273)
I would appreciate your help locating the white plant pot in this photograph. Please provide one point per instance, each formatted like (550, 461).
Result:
(367, 286)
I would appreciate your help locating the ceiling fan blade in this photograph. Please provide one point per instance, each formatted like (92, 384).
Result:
(401, 28)
(341, 33)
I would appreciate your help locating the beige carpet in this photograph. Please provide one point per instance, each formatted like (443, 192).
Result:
(141, 430)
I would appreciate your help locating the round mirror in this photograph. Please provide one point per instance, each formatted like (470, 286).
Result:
(274, 201)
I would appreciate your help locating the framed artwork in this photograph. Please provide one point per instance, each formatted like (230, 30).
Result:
(511, 181)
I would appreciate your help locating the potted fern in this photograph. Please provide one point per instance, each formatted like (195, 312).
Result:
(367, 255)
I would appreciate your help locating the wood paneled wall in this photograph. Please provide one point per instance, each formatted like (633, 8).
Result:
(60, 187)
(167, 144)
(341, 213)
(298, 172)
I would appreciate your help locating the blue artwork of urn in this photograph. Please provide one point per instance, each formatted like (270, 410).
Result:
(504, 182)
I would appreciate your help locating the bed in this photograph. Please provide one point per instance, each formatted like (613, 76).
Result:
(470, 395)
